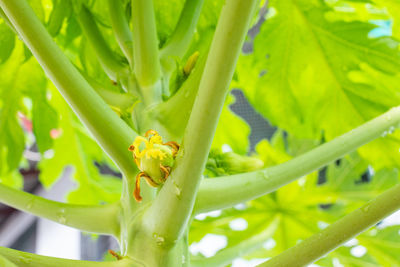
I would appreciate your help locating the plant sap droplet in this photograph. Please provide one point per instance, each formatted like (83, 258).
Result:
(263, 174)
(30, 204)
(177, 190)
(365, 208)
(384, 134)
(159, 239)
(61, 218)
(391, 129)
(26, 259)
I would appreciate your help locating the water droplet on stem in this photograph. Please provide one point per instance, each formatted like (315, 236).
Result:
(365, 208)
(187, 93)
(177, 190)
(159, 239)
(61, 216)
(30, 204)
(264, 174)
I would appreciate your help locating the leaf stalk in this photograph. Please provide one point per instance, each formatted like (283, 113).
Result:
(228, 191)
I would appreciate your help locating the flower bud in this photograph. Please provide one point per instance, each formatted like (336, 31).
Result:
(232, 163)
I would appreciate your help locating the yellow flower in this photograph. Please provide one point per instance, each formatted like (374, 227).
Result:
(149, 151)
(153, 158)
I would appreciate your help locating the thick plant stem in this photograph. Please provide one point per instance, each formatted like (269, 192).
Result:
(339, 232)
(120, 26)
(180, 40)
(24, 259)
(108, 129)
(114, 69)
(145, 46)
(226, 256)
(167, 218)
(95, 219)
(227, 191)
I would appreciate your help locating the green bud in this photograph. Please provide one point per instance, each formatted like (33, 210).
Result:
(231, 163)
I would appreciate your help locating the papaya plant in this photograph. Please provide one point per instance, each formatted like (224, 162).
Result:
(143, 87)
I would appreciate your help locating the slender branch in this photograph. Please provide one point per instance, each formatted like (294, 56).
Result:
(24, 259)
(108, 129)
(226, 256)
(339, 232)
(121, 28)
(227, 191)
(170, 212)
(114, 68)
(97, 219)
(180, 40)
(145, 46)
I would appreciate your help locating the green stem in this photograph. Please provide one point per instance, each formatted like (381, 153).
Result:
(58, 14)
(145, 45)
(108, 129)
(114, 68)
(227, 191)
(180, 40)
(24, 259)
(339, 232)
(226, 256)
(171, 210)
(121, 28)
(110, 95)
(96, 219)
(174, 113)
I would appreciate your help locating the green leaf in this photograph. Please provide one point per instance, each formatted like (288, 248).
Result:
(344, 256)
(344, 185)
(167, 16)
(12, 140)
(32, 83)
(7, 42)
(307, 74)
(232, 130)
(13, 179)
(383, 245)
(75, 148)
(44, 121)
(393, 8)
